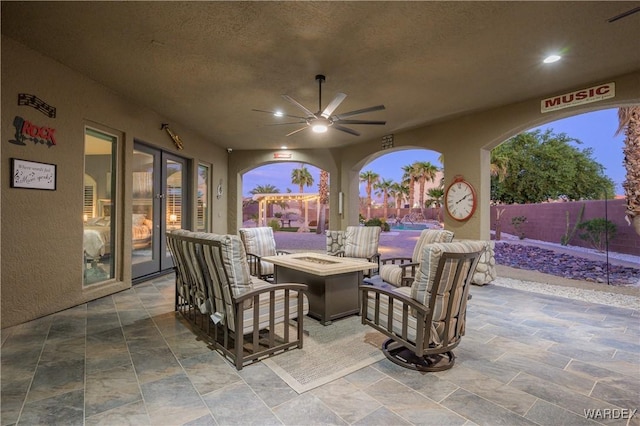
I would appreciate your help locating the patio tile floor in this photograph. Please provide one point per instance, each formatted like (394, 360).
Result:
(526, 359)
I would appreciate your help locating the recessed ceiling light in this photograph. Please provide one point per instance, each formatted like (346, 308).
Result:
(278, 114)
(551, 59)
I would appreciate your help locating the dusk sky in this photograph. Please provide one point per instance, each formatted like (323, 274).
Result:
(595, 130)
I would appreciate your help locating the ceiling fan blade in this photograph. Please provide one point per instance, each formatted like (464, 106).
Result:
(279, 114)
(299, 105)
(333, 105)
(360, 111)
(345, 129)
(284, 124)
(296, 131)
(360, 122)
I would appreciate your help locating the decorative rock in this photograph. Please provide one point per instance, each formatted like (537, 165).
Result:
(563, 265)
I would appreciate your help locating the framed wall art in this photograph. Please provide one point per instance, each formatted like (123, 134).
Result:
(33, 175)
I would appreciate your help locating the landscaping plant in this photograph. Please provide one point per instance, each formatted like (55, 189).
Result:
(598, 232)
(517, 222)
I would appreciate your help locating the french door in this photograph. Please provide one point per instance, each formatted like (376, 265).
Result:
(159, 200)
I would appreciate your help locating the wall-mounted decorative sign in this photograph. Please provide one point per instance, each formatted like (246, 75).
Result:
(281, 155)
(176, 139)
(33, 175)
(27, 131)
(37, 103)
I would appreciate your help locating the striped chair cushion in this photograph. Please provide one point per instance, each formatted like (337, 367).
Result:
(259, 241)
(423, 283)
(361, 241)
(234, 259)
(391, 274)
(430, 236)
(247, 325)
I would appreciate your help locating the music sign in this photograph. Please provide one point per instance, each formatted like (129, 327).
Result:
(32, 175)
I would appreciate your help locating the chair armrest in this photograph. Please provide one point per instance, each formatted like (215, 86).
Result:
(406, 300)
(279, 252)
(271, 288)
(393, 326)
(339, 253)
(395, 260)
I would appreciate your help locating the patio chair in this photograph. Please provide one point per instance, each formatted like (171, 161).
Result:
(246, 319)
(400, 271)
(426, 321)
(357, 242)
(260, 242)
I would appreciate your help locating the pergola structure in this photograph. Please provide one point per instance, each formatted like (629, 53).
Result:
(264, 200)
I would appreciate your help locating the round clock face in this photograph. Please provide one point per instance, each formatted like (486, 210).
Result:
(460, 200)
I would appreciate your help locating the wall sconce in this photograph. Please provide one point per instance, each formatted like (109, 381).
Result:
(340, 202)
(220, 190)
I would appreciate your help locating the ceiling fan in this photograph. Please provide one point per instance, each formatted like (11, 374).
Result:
(322, 120)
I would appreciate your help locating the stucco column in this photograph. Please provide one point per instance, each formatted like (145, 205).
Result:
(473, 165)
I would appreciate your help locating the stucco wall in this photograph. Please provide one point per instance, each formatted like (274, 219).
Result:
(42, 231)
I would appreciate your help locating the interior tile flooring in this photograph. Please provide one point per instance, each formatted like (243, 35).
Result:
(127, 359)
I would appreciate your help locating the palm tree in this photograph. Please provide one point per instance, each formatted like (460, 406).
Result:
(629, 121)
(264, 189)
(425, 171)
(301, 177)
(399, 192)
(499, 166)
(323, 193)
(436, 196)
(409, 180)
(382, 188)
(370, 178)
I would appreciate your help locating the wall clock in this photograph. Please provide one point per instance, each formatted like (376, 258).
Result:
(460, 199)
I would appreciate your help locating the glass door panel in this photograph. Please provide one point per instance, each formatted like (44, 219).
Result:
(159, 204)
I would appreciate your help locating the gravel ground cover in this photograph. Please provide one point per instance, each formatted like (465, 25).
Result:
(564, 265)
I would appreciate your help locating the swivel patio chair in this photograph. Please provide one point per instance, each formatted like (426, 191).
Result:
(356, 242)
(246, 319)
(426, 321)
(260, 242)
(400, 271)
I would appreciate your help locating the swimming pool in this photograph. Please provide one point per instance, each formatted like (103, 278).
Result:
(414, 226)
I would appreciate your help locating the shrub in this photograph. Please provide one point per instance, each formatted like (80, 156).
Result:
(597, 232)
(378, 222)
(275, 224)
(517, 222)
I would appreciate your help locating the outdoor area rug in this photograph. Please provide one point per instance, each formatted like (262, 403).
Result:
(328, 353)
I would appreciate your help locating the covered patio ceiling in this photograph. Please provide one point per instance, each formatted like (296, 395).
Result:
(206, 65)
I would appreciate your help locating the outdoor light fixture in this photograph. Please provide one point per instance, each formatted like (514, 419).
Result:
(283, 147)
(551, 59)
(278, 114)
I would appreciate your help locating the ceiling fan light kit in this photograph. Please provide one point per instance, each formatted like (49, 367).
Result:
(321, 121)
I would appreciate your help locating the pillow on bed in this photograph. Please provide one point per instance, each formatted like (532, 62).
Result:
(138, 219)
(148, 223)
(94, 221)
(104, 221)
